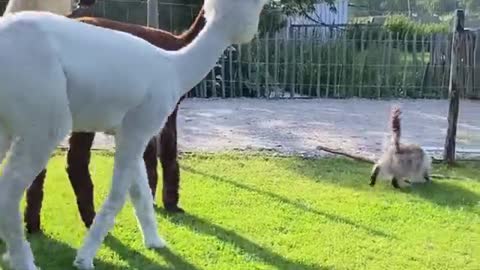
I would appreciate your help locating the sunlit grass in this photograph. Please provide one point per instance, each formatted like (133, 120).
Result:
(261, 212)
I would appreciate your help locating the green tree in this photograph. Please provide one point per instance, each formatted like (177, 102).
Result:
(179, 15)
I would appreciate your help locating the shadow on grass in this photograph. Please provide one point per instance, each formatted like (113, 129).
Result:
(284, 200)
(355, 175)
(446, 194)
(52, 254)
(137, 260)
(462, 169)
(202, 226)
(335, 170)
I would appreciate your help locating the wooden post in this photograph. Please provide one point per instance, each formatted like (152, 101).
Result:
(311, 64)
(222, 73)
(414, 64)
(388, 65)
(405, 67)
(300, 81)
(213, 86)
(286, 43)
(152, 13)
(258, 54)
(249, 59)
(275, 67)
(353, 66)
(267, 72)
(363, 63)
(455, 84)
(319, 69)
(240, 75)
(380, 65)
(343, 70)
(230, 71)
(327, 88)
(476, 69)
(294, 65)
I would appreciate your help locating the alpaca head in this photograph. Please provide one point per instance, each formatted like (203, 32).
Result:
(239, 18)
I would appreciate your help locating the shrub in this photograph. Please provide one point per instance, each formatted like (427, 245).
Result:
(402, 24)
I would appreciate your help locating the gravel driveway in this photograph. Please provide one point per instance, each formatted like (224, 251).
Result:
(298, 126)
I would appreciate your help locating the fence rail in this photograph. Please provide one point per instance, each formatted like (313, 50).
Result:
(362, 63)
(338, 61)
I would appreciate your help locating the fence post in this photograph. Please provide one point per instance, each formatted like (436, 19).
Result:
(152, 13)
(455, 84)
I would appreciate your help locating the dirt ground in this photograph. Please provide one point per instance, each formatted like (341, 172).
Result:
(299, 126)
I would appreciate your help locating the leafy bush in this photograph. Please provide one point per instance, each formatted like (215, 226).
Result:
(402, 24)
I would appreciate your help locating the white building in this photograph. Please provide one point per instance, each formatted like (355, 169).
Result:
(325, 18)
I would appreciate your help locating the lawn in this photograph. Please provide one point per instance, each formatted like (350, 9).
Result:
(263, 212)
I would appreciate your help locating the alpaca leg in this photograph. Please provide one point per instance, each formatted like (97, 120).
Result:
(150, 158)
(29, 155)
(34, 203)
(142, 201)
(168, 158)
(78, 159)
(127, 158)
(5, 143)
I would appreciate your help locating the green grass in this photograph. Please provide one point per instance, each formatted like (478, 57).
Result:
(261, 212)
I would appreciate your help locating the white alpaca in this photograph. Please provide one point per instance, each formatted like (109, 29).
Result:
(124, 86)
(61, 7)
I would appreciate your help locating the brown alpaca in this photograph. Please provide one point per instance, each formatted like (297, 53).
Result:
(78, 157)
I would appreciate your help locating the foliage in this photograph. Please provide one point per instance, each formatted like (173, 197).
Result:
(261, 212)
(419, 7)
(402, 24)
(177, 15)
(292, 7)
(356, 62)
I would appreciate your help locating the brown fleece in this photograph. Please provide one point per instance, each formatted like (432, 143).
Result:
(78, 157)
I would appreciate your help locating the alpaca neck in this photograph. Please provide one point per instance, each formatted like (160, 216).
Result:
(197, 26)
(195, 60)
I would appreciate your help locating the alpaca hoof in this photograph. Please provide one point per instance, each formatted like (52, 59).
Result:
(88, 224)
(33, 229)
(173, 208)
(7, 260)
(83, 264)
(155, 243)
